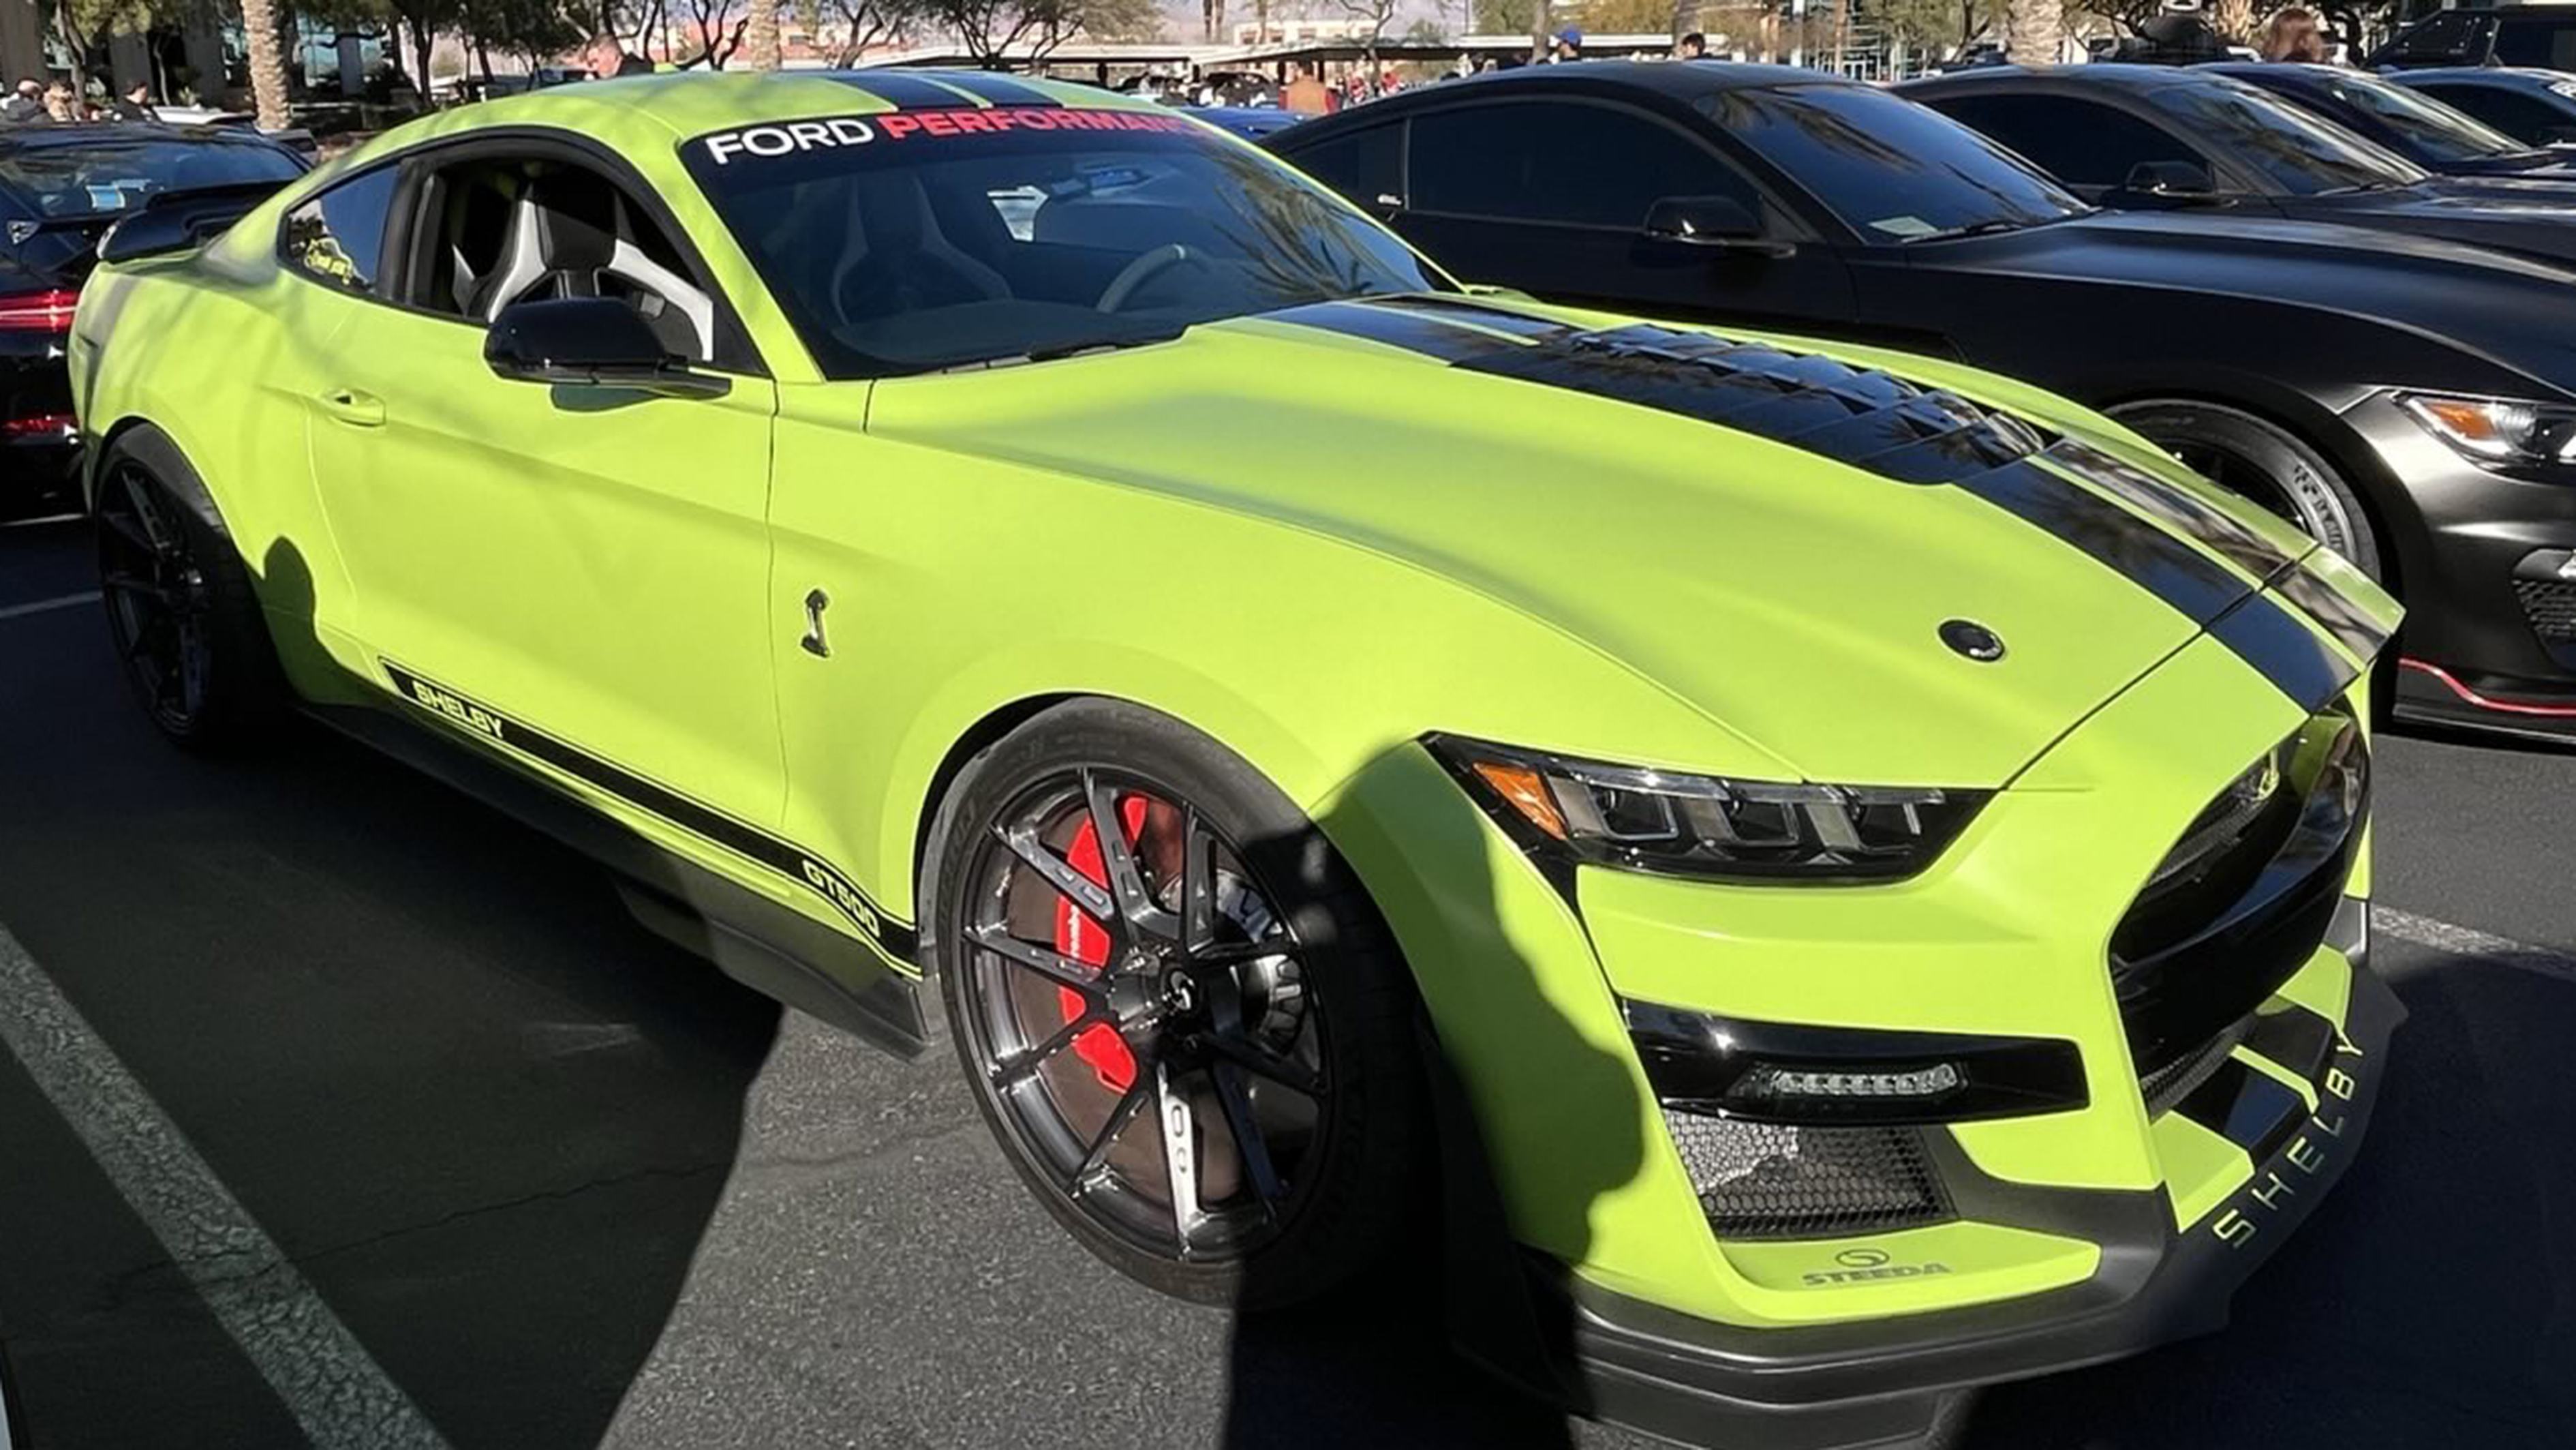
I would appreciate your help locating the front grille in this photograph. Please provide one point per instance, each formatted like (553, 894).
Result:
(1773, 1181)
(2244, 899)
(2550, 605)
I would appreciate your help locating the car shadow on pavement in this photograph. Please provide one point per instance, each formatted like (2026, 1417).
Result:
(1385, 1363)
(2431, 1300)
(483, 1113)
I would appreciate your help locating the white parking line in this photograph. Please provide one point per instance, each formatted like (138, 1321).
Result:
(2468, 941)
(329, 1383)
(47, 606)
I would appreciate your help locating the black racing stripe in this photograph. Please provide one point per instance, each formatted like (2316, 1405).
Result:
(1478, 314)
(2334, 611)
(999, 89)
(2231, 539)
(2249, 1109)
(480, 722)
(2161, 563)
(2286, 652)
(1406, 328)
(904, 92)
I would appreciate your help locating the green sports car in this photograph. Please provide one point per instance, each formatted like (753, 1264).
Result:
(1821, 877)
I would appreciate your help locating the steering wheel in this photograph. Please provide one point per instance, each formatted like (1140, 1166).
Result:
(1135, 273)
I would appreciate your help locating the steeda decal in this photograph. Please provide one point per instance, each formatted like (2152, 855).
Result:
(1864, 1263)
(898, 942)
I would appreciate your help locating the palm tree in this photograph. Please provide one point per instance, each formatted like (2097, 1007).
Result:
(760, 34)
(2035, 31)
(267, 63)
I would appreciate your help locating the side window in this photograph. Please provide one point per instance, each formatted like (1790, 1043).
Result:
(2546, 41)
(495, 232)
(1367, 166)
(1556, 161)
(2518, 116)
(338, 235)
(2448, 35)
(2081, 143)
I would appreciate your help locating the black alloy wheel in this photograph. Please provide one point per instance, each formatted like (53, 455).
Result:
(181, 608)
(158, 596)
(2258, 461)
(1178, 1013)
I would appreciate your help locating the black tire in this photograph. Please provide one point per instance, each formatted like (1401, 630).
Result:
(2267, 465)
(181, 608)
(1342, 1185)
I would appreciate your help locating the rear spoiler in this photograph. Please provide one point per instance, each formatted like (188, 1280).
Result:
(175, 221)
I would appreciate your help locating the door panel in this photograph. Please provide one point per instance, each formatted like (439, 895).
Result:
(591, 562)
(1629, 271)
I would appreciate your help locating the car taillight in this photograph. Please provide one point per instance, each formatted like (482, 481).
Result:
(37, 424)
(38, 311)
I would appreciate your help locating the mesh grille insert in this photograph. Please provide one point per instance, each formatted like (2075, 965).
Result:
(2550, 605)
(1770, 1180)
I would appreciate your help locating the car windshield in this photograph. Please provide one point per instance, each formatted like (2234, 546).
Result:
(57, 179)
(914, 240)
(2425, 127)
(1892, 171)
(2299, 153)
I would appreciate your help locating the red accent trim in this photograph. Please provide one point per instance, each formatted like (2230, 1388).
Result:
(38, 311)
(2483, 702)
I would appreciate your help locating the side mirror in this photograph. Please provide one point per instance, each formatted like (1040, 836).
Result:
(590, 342)
(2170, 179)
(1719, 222)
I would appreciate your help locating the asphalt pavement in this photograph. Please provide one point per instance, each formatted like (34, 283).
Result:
(388, 1123)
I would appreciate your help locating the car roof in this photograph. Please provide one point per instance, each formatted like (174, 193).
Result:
(2109, 75)
(2511, 75)
(57, 137)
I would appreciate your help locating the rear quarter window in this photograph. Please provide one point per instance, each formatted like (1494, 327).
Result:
(337, 236)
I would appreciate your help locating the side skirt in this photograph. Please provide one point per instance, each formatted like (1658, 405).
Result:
(757, 942)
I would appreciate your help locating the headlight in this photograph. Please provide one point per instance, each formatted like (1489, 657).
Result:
(1705, 825)
(2496, 430)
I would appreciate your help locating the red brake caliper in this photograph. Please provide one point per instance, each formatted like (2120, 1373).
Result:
(1079, 937)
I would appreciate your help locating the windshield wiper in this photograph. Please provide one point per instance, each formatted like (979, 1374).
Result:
(1986, 228)
(1052, 352)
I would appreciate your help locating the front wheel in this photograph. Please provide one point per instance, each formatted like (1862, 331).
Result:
(1179, 1012)
(2266, 466)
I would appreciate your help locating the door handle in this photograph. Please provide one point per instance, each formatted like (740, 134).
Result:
(359, 410)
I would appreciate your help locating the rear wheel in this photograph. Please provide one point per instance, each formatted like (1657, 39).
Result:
(180, 605)
(1180, 1014)
(2266, 466)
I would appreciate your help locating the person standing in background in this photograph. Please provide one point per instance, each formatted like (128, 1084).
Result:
(2293, 34)
(1305, 95)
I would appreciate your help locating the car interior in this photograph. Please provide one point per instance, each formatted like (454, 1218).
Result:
(504, 231)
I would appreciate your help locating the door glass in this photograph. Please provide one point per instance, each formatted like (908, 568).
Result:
(2301, 154)
(2546, 41)
(504, 231)
(338, 236)
(2081, 143)
(2518, 116)
(1552, 161)
(1366, 166)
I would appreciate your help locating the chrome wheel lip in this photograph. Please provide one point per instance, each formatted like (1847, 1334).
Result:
(157, 599)
(1166, 986)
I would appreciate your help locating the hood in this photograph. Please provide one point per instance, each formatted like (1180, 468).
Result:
(2514, 311)
(1772, 536)
(2526, 215)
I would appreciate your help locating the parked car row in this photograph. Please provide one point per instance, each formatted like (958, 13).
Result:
(2375, 353)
